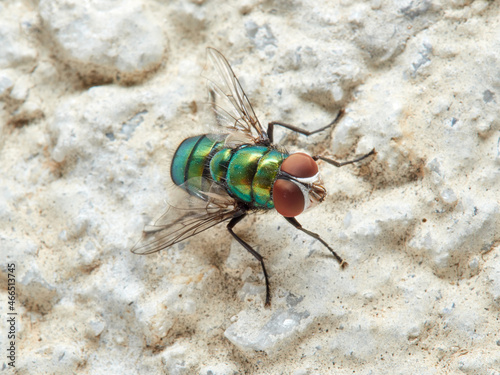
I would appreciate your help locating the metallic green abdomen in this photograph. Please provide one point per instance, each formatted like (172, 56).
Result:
(247, 173)
(190, 166)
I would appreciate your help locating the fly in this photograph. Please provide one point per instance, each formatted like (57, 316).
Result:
(238, 172)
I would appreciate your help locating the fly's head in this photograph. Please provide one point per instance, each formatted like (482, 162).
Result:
(298, 186)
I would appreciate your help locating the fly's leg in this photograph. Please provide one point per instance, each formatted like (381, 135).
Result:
(341, 164)
(297, 225)
(270, 127)
(270, 133)
(230, 226)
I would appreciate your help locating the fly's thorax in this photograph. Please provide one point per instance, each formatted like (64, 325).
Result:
(241, 171)
(248, 173)
(265, 176)
(298, 186)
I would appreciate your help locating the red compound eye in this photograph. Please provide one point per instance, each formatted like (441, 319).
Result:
(288, 198)
(300, 165)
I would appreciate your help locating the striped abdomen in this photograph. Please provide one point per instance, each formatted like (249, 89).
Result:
(247, 173)
(190, 166)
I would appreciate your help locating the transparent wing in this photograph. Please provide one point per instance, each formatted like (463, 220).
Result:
(180, 223)
(229, 102)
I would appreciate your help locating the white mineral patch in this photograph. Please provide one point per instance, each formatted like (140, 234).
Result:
(266, 332)
(105, 37)
(95, 96)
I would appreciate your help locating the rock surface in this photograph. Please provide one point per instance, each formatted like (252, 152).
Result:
(94, 98)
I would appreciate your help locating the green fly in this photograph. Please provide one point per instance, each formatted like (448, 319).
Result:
(238, 172)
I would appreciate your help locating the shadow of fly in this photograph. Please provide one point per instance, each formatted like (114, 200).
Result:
(237, 172)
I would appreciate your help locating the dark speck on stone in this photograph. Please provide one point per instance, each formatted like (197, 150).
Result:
(488, 96)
